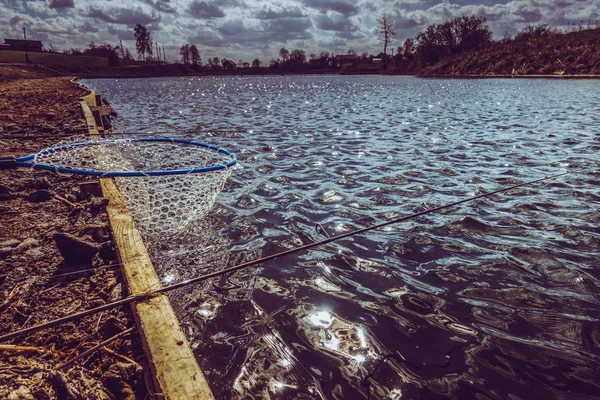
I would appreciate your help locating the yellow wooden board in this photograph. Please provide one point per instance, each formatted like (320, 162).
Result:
(176, 372)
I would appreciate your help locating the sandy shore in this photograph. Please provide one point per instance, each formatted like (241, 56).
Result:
(39, 279)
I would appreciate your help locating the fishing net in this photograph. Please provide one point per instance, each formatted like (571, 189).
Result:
(167, 183)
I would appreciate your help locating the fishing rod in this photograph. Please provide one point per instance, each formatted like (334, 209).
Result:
(178, 133)
(166, 289)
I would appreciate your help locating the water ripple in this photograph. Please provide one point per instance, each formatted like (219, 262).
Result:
(498, 298)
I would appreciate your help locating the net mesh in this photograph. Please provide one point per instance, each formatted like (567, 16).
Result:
(159, 204)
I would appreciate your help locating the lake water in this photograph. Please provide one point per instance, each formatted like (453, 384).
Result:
(493, 299)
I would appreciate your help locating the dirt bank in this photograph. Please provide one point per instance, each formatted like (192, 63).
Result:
(57, 258)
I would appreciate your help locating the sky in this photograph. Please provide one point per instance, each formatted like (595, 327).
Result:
(248, 29)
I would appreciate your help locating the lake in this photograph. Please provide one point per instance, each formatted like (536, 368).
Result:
(496, 298)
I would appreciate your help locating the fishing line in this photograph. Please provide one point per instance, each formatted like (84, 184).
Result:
(165, 289)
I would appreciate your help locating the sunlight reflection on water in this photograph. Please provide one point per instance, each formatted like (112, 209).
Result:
(494, 299)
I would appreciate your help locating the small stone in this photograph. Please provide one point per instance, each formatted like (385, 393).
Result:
(116, 293)
(22, 393)
(74, 249)
(88, 189)
(98, 203)
(40, 196)
(97, 232)
(35, 254)
(10, 243)
(41, 183)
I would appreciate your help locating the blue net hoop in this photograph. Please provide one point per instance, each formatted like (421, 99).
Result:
(31, 159)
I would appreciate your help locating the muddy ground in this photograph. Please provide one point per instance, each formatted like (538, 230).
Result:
(57, 258)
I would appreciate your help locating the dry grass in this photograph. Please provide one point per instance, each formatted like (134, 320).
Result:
(575, 53)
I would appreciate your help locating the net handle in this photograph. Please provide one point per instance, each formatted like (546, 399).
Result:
(25, 161)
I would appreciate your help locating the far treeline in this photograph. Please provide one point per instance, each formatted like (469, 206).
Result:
(458, 47)
(464, 46)
(461, 46)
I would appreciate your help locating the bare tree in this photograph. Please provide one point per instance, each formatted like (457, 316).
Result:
(351, 52)
(284, 53)
(143, 40)
(298, 56)
(195, 56)
(256, 63)
(184, 52)
(408, 48)
(385, 28)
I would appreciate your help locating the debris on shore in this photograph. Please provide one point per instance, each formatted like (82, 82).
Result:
(57, 257)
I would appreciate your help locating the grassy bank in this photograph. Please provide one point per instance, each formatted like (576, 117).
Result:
(53, 59)
(569, 54)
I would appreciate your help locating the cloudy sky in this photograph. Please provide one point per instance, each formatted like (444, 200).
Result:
(245, 29)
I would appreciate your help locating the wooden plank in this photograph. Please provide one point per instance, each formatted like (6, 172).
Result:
(175, 370)
(89, 119)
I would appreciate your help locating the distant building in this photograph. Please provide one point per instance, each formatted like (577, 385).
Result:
(22, 45)
(228, 65)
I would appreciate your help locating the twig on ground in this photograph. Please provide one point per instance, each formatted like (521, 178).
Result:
(95, 348)
(11, 296)
(67, 202)
(12, 347)
(129, 360)
(26, 321)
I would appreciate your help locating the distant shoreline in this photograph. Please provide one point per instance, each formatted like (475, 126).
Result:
(535, 76)
(175, 70)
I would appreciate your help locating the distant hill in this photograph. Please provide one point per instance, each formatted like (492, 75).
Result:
(559, 54)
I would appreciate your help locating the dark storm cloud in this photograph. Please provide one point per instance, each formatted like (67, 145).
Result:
(233, 28)
(528, 13)
(62, 4)
(162, 6)
(123, 16)
(350, 35)
(88, 28)
(15, 20)
(343, 7)
(205, 10)
(235, 34)
(334, 24)
(272, 13)
(288, 29)
(231, 3)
